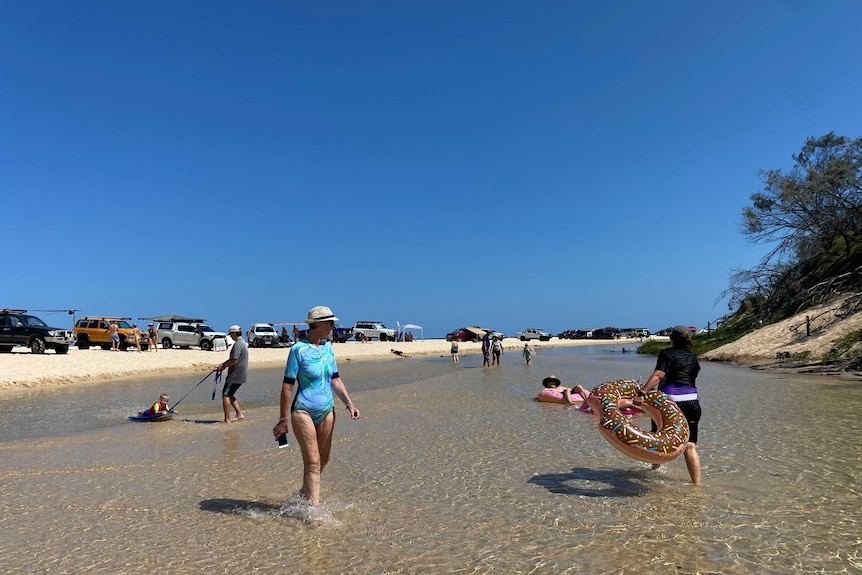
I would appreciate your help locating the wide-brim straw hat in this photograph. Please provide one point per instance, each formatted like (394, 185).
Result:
(320, 313)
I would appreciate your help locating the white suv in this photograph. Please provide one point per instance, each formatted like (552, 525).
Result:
(183, 335)
(261, 334)
(372, 329)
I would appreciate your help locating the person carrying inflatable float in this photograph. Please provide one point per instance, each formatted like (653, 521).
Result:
(674, 409)
(554, 392)
(675, 374)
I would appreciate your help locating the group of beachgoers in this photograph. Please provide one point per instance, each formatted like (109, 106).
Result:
(492, 349)
(312, 369)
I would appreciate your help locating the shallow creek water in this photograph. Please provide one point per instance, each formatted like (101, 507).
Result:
(451, 469)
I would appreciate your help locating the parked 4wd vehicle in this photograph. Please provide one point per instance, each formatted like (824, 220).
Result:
(17, 327)
(185, 334)
(341, 334)
(95, 331)
(261, 334)
(533, 333)
(372, 329)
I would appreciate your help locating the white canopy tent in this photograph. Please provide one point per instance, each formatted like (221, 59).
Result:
(412, 327)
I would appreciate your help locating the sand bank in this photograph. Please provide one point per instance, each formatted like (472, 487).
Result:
(23, 370)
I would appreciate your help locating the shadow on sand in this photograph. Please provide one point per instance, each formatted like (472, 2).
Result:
(621, 483)
(238, 506)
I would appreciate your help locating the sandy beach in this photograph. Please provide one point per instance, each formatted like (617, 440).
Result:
(22, 370)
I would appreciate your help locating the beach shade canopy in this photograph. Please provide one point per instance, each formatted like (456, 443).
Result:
(174, 318)
(413, 326)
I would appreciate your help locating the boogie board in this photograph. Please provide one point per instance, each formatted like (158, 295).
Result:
(157, 417)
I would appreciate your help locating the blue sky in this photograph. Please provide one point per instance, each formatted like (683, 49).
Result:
(503, 164)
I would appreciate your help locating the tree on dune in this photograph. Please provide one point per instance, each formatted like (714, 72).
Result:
(811, 216)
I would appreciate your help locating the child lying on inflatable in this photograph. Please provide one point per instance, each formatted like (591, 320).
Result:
(159, 407)
(555, 392)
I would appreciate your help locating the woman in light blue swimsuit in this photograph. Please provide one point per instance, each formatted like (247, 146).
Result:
(311, 364)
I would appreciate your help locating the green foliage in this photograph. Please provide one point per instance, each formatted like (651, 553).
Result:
(811, 216)
(731, 330)
(843, 345)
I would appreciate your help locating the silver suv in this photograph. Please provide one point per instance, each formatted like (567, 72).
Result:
(372, 329)
(184, 334)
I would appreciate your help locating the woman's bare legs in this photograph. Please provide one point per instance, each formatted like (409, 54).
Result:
(315, 442)
(692, 462)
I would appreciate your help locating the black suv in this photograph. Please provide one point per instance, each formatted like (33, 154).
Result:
(17, 327)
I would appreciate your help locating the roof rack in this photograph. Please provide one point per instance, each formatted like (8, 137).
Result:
(7, 310)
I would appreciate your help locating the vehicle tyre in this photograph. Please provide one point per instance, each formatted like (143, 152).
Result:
(124, 345)
(382, 337)
(6, 349)
(523, 338)
(61, 348)
(167, 343)
(106, 346)
(37, 345)
(206, 344)
(83, 342)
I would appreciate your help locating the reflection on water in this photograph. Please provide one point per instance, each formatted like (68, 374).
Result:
(452, 468)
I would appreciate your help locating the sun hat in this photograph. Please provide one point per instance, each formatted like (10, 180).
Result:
(550, 379)
(320, 313)
(235, 328)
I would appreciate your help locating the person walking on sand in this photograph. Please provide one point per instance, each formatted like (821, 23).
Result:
(154, 337)
(675, 374)
(496, 351)
(528, 352)
(454, 351)
(311, 365)
(237, 373)
(136, 335)
(115, 336)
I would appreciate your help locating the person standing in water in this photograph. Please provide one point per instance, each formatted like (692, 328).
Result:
(237, 373)
(486, 349)
(311, 365)
(528, 352)
(496, 350)
(675, 374)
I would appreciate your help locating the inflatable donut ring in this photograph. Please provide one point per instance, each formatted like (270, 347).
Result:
(664, 445)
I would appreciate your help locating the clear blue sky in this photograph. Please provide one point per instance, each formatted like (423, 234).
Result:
(500, 163)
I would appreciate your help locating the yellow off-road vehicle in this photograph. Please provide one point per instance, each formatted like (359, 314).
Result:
(92, 331)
